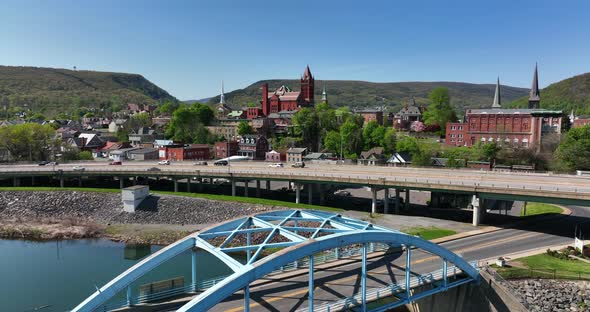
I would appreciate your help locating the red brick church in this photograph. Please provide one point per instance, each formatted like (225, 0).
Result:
(284, 99)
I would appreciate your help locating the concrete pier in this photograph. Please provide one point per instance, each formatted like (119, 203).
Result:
(233, 187)
(373, 200)
(386, 200)
(297, 193)
(246, 188)
(396, 211)
(257, 188)
(407, 203)
(310, 194)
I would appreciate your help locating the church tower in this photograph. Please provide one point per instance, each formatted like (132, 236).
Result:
(497, 98)
(324, 95)
(535, 96)
(222, 96)
(307, 86)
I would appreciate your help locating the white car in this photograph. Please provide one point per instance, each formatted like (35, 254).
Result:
(164, 162)
(276, 165)
(78, 168)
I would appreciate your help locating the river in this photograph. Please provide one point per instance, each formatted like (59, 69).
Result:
(57, 275)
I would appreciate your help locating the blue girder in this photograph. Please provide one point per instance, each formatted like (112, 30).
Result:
(338, 231)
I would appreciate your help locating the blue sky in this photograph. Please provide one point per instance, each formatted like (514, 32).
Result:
(188, 47)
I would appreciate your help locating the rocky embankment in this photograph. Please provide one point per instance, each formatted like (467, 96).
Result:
(86, 214)
(554, 295)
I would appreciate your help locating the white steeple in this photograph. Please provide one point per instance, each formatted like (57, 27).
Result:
(222, 96)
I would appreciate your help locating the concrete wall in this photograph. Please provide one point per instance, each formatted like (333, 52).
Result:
(487, 296)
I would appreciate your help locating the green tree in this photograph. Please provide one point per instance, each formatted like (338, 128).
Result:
(439, 112)
(389, 140)
(29, 141)
(85, 155)
(138, 120)
(204, 113)
(352, 137)
(244, 128)
(574, 151)
(332, 142)
(305, 125)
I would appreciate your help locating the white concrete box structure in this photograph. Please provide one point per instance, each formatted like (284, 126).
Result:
(133, 196)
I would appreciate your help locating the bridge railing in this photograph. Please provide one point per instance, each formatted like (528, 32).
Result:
(323, 257)
(391, 290)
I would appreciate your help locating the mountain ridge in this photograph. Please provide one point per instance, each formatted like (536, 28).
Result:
(393, 95)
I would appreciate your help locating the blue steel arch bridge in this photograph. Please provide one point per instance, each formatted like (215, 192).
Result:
(296, 240)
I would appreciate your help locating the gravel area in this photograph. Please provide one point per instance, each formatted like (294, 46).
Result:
(555, 295)
(107, 208)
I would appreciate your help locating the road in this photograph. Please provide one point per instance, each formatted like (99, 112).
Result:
(551, 186)
(290, 294)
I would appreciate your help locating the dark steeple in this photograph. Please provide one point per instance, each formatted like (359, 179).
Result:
(497, 98)
(535, 96)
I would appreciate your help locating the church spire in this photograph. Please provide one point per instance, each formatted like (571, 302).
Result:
(307, 73)
(324, 95)
(535, 95)
(222, 96)
(497, 98)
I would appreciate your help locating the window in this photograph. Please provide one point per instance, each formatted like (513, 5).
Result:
(515, 141)
(452, 127)
(490, 139)
(525, 142)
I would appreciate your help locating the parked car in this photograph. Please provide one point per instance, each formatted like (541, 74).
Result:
(115, 163)
(221, 181)
(153, 169)
(53, 163)
(43, 163)
(200, 163)
(276, 165)
(298, 164)
(342, 193)
(78, 168)
(221, 163)
(164, 162)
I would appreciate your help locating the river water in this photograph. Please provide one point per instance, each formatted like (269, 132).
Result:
(57, 275)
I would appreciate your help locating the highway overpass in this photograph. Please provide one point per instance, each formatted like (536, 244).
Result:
(536, 187)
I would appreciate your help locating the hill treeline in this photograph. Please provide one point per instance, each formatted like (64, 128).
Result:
(567, 95)
(51, 91)
(392, 95)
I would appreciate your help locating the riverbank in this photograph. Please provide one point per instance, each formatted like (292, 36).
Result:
(161, 219)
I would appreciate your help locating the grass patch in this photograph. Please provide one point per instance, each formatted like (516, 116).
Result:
(545, 266)
(248, 200)
(50, 189)
(429, 233)
(534, 209)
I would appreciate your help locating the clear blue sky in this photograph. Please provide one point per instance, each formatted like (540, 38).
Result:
(188, 47)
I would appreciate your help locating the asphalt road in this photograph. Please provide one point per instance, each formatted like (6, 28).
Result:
(290, 294)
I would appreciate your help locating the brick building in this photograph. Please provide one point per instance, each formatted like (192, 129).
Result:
(285, 99)
(521, 127)
(253, 147)
(179, 152)
(225, 149)
(371, 115)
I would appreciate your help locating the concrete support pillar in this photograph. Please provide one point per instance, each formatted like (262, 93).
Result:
(15, 181)
(289, 185)
(268, 185)
(32, 180)
(257, 188)
(62, 182)
(310, 194)
(175, 185)
(188, 184)
(407, 199)
(246, 188)
(297, 193)
(310, 286)
(386, 200)
(396, 211)
(121, 182)
(476, 204)
(233, 187)
(79, 181)
(322, 194)
(373, 200)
